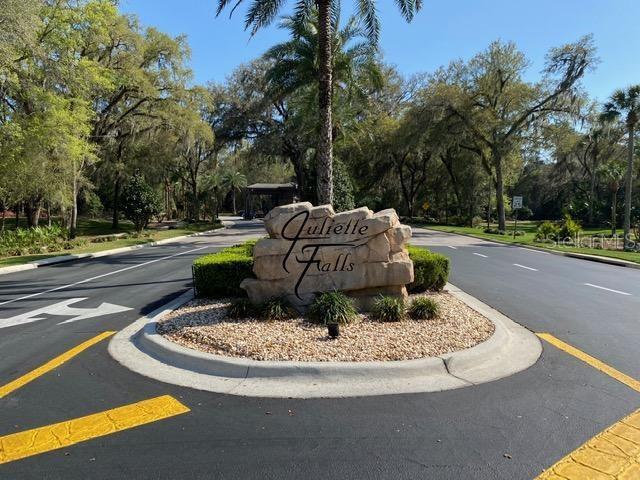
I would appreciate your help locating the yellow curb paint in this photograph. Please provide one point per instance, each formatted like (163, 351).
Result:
(611, 455)
(51, 364)
(594, 362)
(59, 435)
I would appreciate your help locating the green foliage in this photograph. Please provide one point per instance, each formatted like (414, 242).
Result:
(242, 308)
(218, 275)
(24, 241)
(547, 231)
(422, 308)
(431, 270)
(494, 231)
(140, 202)
(332, 307)
(389, 309)
(342, 187)
(569, 228)
(277, 309)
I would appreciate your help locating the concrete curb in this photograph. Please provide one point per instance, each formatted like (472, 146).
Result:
(70, 258)
(582, 256)
(140, 348)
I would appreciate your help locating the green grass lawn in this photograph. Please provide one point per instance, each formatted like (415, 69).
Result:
(88, 228)
(529, 229)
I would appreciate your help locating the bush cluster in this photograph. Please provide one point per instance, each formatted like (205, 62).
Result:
(32, 241)
(219, 274)
(431, 270)
(546, 231)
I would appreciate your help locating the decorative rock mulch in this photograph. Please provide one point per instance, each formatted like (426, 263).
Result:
(203, 325)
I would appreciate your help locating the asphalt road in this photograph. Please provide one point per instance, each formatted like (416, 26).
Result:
(509, 429)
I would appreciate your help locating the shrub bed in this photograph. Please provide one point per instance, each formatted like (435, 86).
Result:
(219, 274)
(431, 270)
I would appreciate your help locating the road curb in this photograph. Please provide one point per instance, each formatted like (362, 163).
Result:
(45, 262)
(140, 348)
(582, 256)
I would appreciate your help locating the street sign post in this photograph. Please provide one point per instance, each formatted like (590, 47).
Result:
(516, 204)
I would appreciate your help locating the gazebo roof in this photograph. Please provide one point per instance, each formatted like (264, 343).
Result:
(257, 187)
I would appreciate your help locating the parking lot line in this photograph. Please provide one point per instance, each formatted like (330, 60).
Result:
(59, 435)
(51, 364)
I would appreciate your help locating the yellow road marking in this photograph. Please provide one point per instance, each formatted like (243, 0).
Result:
(59, 435)
(51, 364)
(613, 454)
(594, 362)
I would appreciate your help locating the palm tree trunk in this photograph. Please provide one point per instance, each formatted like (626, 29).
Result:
(324, 160)
(627, 188)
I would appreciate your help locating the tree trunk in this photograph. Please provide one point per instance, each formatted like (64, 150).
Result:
(502, 219)
(614, 205)
(324, 157)
(33, 212)
(627, 189)
(116, 203)
(74, 210)
(233, 199)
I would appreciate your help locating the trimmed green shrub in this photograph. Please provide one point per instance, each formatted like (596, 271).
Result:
(546, 231)
(569, 228)
(242, 308)
(430, 270)
(389, 309)
(422, 308)
(332, 307)
(277, 308)
(219, 274)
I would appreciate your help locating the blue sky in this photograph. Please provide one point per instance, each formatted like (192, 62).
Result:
(442, 31)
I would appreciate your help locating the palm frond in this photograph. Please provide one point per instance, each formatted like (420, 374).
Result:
(371, 23)
(261, 13)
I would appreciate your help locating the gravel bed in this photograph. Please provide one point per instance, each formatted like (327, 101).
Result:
(203, 325)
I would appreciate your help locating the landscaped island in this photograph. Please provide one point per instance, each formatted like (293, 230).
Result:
(329, 287)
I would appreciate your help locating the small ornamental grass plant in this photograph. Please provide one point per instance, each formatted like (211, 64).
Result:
(242, 308)
(276, 309)
(389, 309)
(332, 308)
(422, 308)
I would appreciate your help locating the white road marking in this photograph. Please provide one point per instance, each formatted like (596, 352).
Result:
(525, 267)
(62, 287)
(534, 250)
(607, 289)
(63, 309)
(452, 247)
(480, 255)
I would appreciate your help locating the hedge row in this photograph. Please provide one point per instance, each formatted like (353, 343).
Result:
(430, 270)
(219, 274)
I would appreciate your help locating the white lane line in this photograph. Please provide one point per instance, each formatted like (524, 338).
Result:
(452, 247)
(525, 267)
(104, 275)
(480, 255)
(534, 250)
(607, 289)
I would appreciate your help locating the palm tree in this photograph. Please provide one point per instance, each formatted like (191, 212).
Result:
(626, 103)
(613, 175)
(262, 12)
(235, 181)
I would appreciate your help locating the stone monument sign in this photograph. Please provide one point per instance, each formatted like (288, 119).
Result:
(313, 249)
